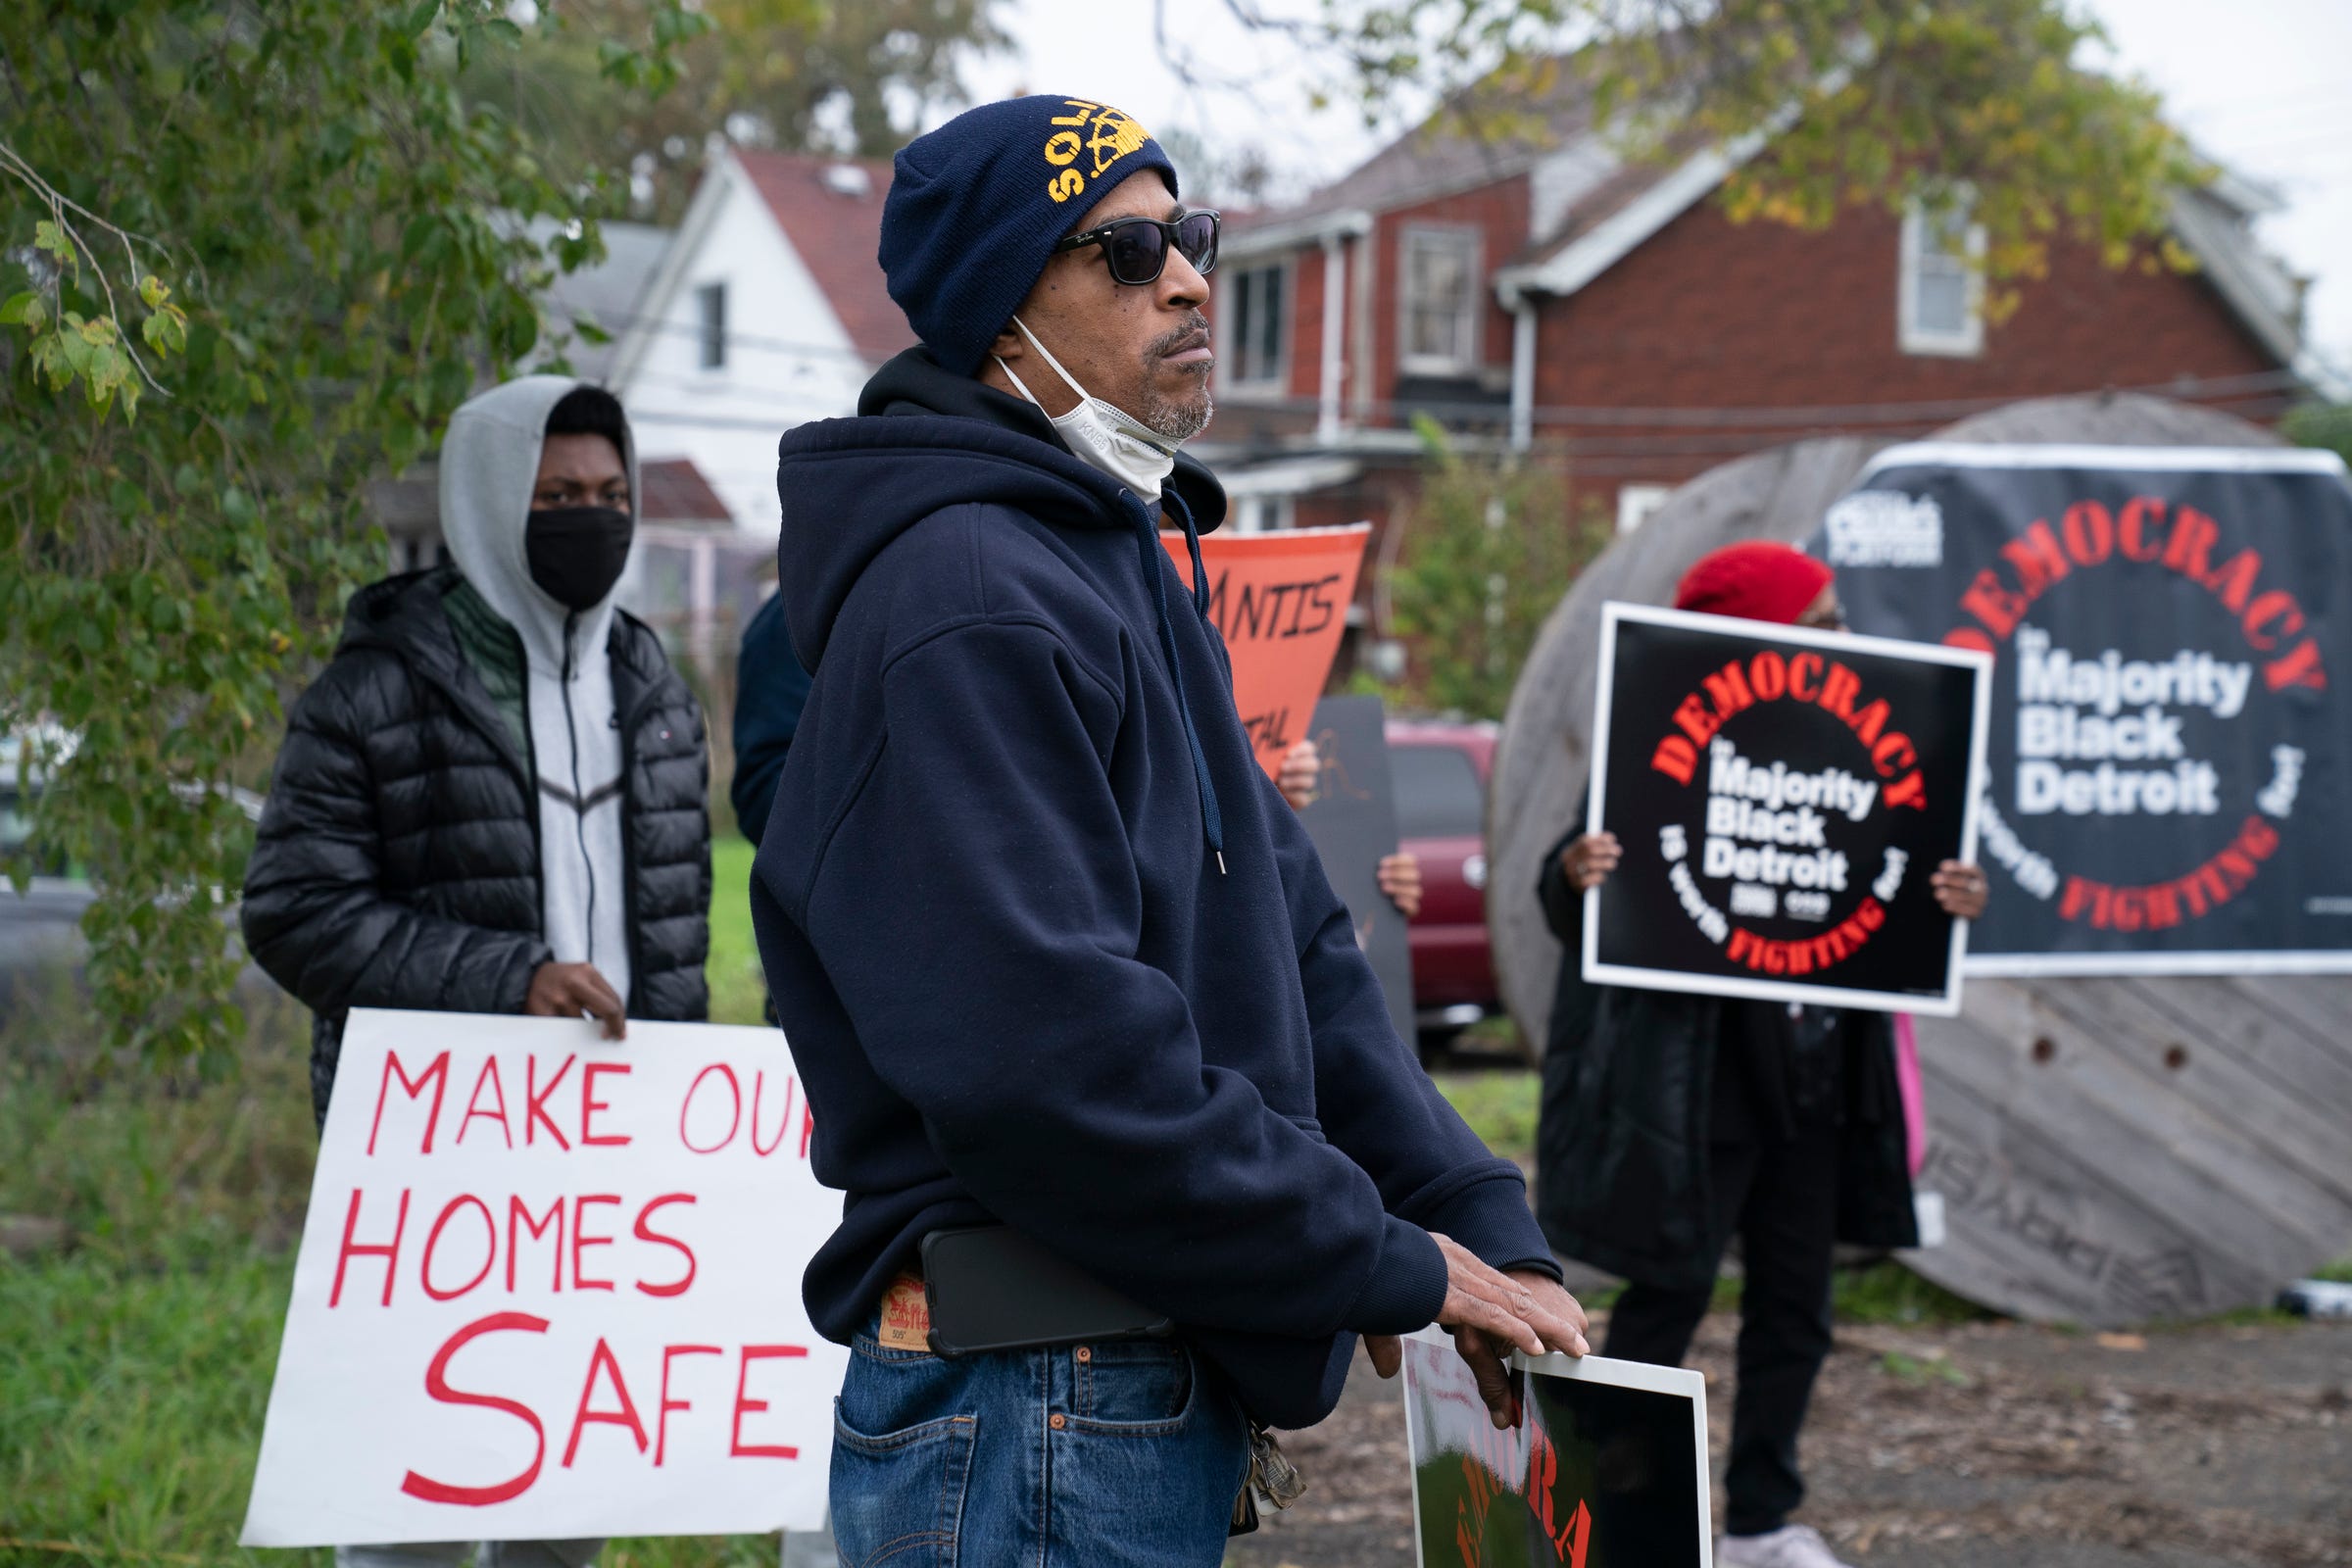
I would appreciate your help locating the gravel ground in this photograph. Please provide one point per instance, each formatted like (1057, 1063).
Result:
(1999, 1442)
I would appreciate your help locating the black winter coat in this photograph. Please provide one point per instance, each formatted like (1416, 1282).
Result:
(398, 858)
(1622, 1162)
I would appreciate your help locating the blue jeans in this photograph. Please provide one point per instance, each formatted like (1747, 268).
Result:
(1121, 1455)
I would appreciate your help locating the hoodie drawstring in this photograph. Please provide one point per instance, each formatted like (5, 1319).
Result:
(1213, 819)
(1192, 542)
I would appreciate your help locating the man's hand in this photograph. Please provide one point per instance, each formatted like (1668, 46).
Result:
(1587, 862)
(1301, 770)
(1491, 1314)
(1960, 889)
(1487, 1355)
(1400, 877)
(568, 990)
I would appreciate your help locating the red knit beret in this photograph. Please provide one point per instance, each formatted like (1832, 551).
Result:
(1755, 579)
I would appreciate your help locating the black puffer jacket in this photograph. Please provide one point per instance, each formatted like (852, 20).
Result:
(398, 860)
(1622, 1165)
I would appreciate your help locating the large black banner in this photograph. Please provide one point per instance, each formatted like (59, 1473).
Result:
(1783, 798)
(2169, 747)
(1352, 821)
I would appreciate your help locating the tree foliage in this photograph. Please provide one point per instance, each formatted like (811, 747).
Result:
(1488, 550)
(840, 76)
(1997, 103)
(2320, 424)
(331, 236)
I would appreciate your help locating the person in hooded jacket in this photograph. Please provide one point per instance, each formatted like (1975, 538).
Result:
(1671, 1123)
(494, 797)
(771, 690)
(1051, 949)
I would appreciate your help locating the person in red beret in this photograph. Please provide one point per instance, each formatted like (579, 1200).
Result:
(1672, 1122)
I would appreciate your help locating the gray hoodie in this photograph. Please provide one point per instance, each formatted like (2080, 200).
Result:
(489, 463)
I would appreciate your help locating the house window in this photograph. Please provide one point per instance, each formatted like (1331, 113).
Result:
(1440, 301)
(710, 324)
(1260, 324)
(1940, 305)
(1266, 513)
(1636, 501)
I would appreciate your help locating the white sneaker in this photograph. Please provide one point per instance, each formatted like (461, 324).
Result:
(1789, 1546)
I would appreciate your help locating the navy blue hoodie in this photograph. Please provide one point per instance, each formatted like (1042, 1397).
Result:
(1016, 982)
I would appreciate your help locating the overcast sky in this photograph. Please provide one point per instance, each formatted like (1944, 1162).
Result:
(2259, 84)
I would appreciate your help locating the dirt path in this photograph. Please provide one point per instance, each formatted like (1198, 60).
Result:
(1988, 1443)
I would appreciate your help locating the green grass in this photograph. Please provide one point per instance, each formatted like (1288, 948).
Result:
(1500, 1107)
(153, 1169)
(1936, 1367)
(130, 1403)
(135, 1363)
(737, 990)
(1885, 1291)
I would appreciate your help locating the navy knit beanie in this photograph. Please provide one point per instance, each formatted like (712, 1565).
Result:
(976, 206)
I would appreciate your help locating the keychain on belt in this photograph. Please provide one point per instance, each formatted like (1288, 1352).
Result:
(1271, 1476)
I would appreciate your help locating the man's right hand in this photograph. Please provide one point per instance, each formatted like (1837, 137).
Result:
(1587, 862)
(1491, 1313)
(1500, 1307)
(570, 990)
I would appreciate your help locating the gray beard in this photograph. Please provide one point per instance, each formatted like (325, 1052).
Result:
(1178, 421)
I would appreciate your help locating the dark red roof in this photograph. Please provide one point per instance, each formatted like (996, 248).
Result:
(675, 491)
(837, 228)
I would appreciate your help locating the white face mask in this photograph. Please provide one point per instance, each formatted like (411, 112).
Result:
(1102, 435)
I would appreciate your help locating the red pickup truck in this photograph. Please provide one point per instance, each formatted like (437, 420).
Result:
(1441, 772)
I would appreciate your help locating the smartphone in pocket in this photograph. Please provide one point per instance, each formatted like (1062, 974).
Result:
(990, 1288)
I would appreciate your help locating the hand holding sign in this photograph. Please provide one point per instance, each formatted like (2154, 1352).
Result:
(1301, 767)
(1490, 1314)
(1400, 879)
(571, 990)
(1504, 1308)
(1959, 889)
(1588, 859)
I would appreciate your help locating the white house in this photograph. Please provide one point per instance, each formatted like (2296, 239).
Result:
(769, 310)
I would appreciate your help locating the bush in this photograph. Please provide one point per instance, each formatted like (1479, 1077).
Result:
(153, 1166)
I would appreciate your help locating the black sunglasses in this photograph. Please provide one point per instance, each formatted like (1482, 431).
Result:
(1136, 249)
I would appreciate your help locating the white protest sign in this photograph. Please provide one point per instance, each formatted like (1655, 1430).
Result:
(550, 1287)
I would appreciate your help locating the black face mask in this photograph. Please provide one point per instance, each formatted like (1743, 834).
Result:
(577, 553)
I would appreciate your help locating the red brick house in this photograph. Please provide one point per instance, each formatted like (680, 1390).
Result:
(1543, 295)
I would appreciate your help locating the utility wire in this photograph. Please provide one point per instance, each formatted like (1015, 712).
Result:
(1891, 411)
(2275, 386)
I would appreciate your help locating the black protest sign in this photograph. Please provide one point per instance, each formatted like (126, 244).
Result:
(2168, 625)
(1608, 1467)
(1352, 821)
(1783, 798)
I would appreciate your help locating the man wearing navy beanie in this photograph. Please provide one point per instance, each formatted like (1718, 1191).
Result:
(1130, 1151)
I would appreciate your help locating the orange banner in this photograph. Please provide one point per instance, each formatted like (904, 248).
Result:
(1280, 600)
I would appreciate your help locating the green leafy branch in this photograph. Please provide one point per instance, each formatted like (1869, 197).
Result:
(68, 346)
(361, 239)
(1484, 555)
(654, 71)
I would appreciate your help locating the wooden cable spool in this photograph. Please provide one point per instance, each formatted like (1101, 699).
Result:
(2110, 1152)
